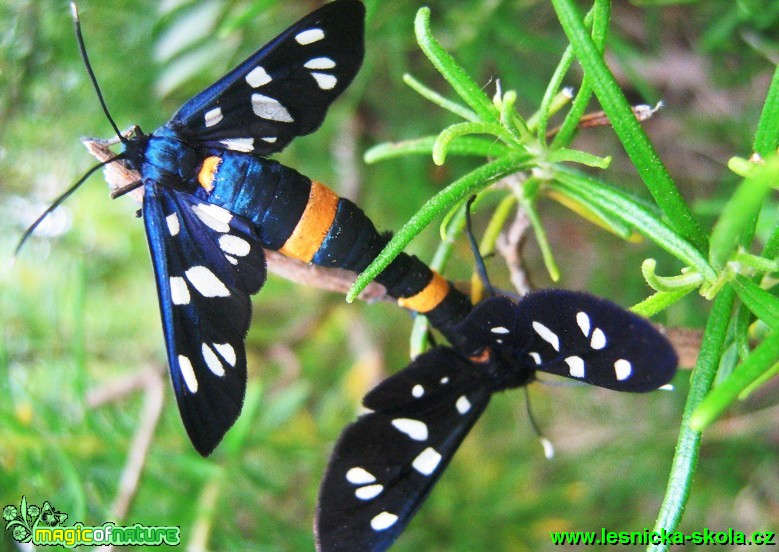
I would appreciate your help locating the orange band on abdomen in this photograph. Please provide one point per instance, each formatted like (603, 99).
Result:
(312, 228)
(429, 298)
(207, 172)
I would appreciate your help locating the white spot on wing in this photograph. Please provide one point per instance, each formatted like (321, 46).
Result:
(325, 81)
(244, 145)
(575, 366)
(623, 369)
(173, 224)
(212, 361)
(258, 77)
(426, 461)
(535, 356)
(499, 330)
(213, 216)
(444, 380)
(269, 139)
(463, 405)
(359, 476)
(547, 335)
(185, 367)
(234, 245)
(179, 292)
(598, 340)
(213, 116)
(206, 282)
(320, 63)
(666, 387)
(417, 391)
(309, 36)
(368, 492)
(413, 428)
(584, 323)
(383, 521)
(271, 109)
(227, 352)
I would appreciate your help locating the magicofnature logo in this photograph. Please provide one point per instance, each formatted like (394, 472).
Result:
(24, 520)
(45, 526)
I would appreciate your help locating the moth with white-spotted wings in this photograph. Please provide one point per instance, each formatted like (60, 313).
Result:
(205, 248)
(212, 201)
(385, 464)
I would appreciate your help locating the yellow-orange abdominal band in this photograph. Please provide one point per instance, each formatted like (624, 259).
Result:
(312, 228)
(429, 298)
(207, 172)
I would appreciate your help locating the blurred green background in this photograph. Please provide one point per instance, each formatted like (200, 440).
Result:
(79, 314)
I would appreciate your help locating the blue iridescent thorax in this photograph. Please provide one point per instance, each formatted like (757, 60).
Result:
(165, 159)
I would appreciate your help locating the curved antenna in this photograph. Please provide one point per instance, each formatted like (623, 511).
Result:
(83, 50)
(546, 443)
(57, 203)
(481, 269)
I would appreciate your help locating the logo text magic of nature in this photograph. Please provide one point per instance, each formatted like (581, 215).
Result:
(44, 526)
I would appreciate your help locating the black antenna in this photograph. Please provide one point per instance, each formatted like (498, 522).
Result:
(83, 50)
(57, 203)
(64, 196)
(480, 268)
(546, 443)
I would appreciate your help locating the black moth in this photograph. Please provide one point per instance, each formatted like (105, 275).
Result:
(385, 464)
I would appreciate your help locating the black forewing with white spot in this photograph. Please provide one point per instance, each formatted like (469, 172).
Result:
(575, 335)
(207, 263)
(284, 89)
(385, 464)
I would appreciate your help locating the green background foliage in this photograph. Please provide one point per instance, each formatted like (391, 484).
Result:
(79, 315)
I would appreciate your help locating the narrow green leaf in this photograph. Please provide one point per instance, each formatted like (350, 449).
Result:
(762, 359)
(561, 155)
(628, 129)
(767, 135)
(513, 121)
(496, 224)
(464, 145)
(451, 133)
(600, 14)
(580, 204)
(455, 75)
(771, 248)
(686, 281)
(620, 205)
(688, 445)
(542, 240)
(741, 210)
(435, 206)
(658, 302)
(439, 100)
(756, 262)
(762, 303)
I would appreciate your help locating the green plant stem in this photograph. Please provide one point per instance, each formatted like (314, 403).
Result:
(601, 12)
(628, 129)
(688, 445)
